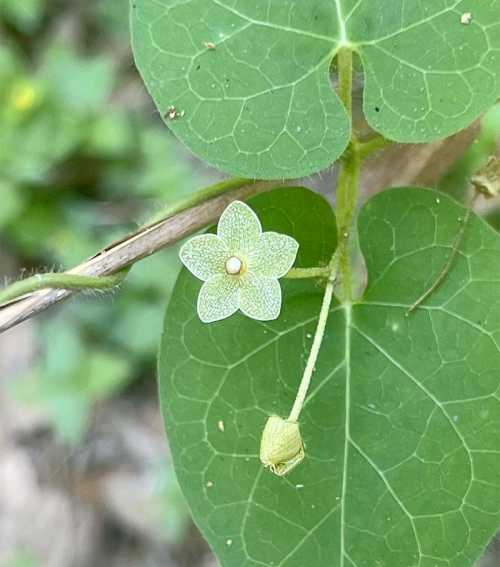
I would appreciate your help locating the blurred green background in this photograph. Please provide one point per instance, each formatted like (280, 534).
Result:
(79, 168)
(84, 158)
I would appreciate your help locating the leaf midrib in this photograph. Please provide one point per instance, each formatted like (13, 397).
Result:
(347, 424)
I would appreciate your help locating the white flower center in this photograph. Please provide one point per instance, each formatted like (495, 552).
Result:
(234, 266)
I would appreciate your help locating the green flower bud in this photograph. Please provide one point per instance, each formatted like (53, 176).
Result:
(281, 447)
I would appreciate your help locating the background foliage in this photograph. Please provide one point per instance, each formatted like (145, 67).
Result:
(78, 167)
(84, 159)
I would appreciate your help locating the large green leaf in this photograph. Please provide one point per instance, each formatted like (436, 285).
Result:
(402, 423)
(258, 100)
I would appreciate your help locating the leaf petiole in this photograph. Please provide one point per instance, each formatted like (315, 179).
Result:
(301, 273)
(369, 147)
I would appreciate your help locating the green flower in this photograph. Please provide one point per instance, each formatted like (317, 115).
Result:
(240, 266)
(281, 446)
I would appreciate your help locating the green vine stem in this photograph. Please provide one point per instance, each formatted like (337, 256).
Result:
(61, 281)
(340, 266)
(347, 183)
(347, 195)
(344, 66)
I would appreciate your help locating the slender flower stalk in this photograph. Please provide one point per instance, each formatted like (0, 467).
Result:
(303, 273)
(316, 345)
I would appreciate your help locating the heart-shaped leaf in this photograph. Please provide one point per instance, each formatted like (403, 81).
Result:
(402, 421)
(245, 84)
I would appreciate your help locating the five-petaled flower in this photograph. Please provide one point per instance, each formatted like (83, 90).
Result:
(240, 266)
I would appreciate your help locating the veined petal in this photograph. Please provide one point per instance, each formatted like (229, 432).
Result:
(273, 255)
(218, 298)
(239, 227)
(204, 255)
(260, 298)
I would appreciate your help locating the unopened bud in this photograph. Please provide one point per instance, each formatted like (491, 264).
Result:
(281, 447)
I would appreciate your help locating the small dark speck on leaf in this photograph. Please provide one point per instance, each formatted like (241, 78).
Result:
(198, 67)
(377, 109)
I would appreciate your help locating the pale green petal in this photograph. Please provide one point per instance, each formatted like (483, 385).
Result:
(204, 256)
(239, 227)
(273, 255)
(260, 298)
(218, 298)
